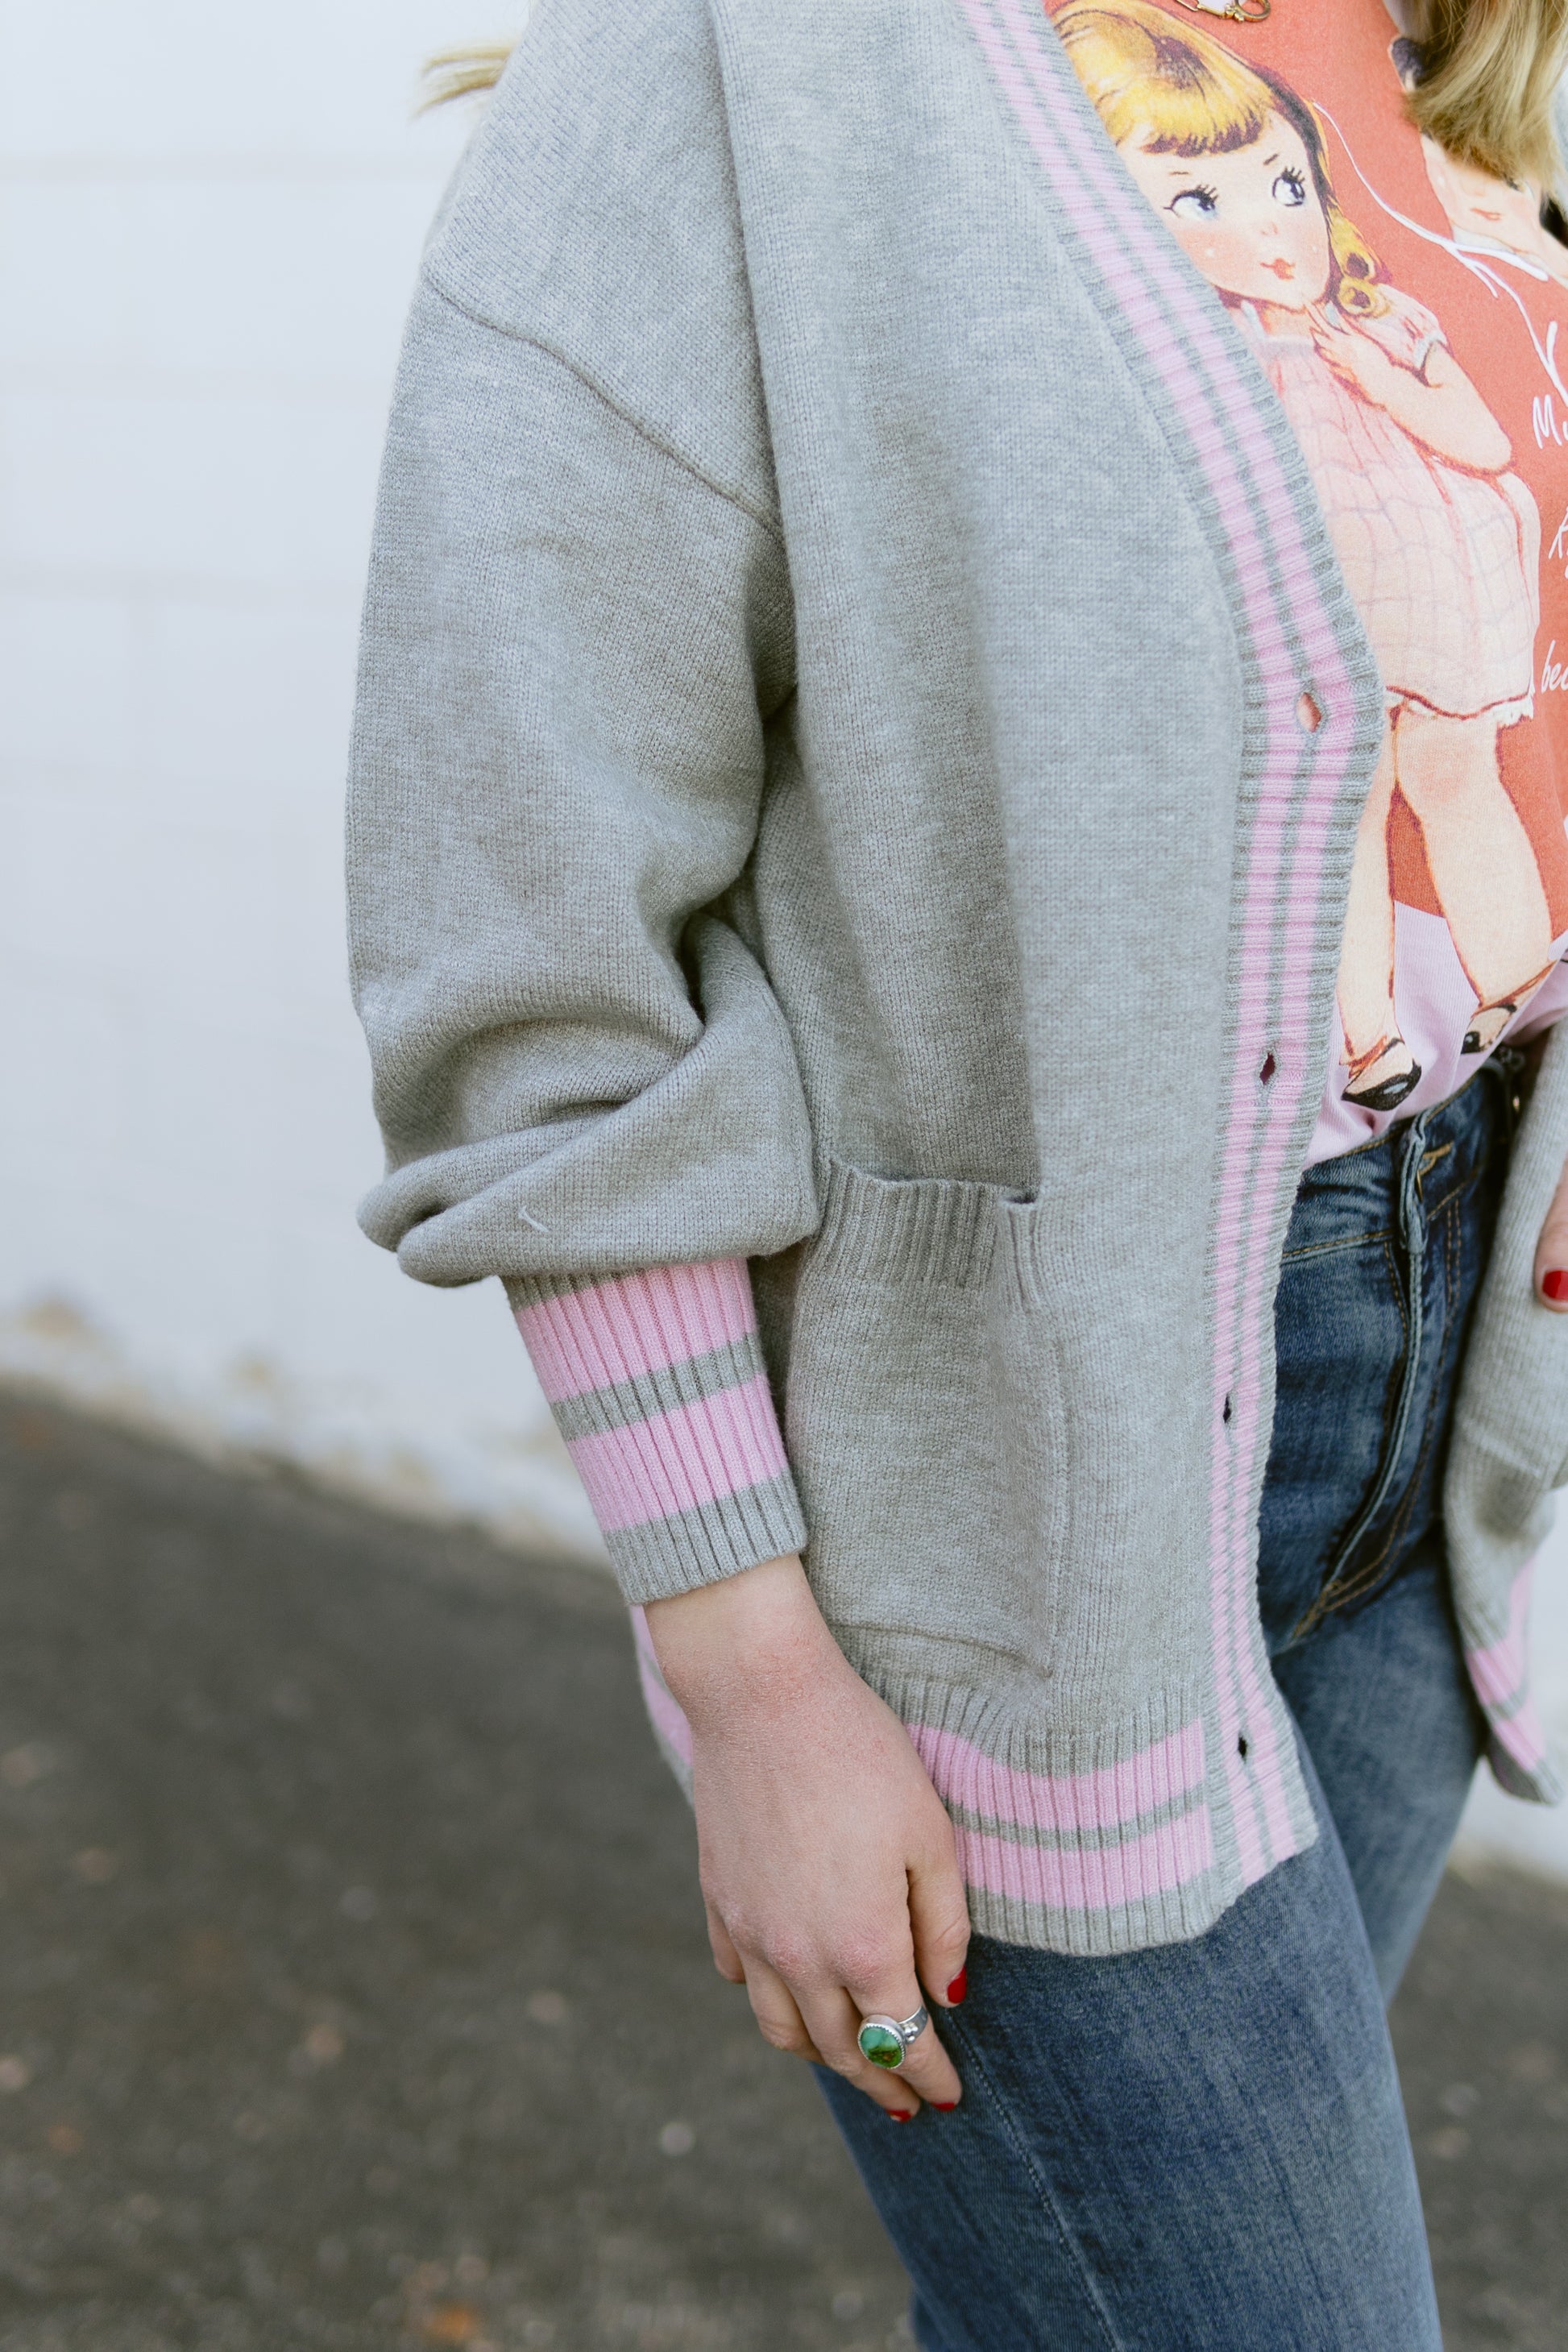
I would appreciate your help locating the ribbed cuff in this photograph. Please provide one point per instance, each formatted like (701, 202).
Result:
(658, 1385)
(1496, 1517)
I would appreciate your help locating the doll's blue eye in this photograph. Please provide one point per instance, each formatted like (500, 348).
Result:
(1195, 203)
(1291, 188)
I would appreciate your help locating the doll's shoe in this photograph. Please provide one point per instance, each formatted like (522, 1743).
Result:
(1488, 1021)
(1486, 1027)
(1374, 1086)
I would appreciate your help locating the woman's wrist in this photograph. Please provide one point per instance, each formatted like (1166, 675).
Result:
(747, 1642)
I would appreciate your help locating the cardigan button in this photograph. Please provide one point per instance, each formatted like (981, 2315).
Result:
(1309, 713)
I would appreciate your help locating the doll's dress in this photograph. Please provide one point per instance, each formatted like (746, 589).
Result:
(1442, 563)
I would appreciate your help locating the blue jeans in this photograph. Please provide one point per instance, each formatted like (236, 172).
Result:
(1203, 2145)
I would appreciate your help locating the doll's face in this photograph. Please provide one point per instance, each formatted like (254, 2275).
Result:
(1502, 212)
(1251, 220)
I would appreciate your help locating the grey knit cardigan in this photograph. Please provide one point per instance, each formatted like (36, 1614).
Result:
(860, 740)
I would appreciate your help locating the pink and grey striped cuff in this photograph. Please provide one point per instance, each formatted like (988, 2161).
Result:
(1499, 1672)
(658, 1385)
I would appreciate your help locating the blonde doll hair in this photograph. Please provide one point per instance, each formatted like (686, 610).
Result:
(1183, 93)
(1491, 67)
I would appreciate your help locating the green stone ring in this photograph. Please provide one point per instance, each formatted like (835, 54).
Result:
(885, 2040)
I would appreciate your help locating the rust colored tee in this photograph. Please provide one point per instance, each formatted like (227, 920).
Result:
(1411, 313)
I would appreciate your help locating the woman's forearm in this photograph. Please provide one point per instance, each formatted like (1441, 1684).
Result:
(747, 1644)
(828, 1861)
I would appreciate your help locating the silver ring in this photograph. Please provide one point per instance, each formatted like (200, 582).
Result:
(885, 2041)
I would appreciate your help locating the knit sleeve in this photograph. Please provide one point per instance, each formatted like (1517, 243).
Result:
(581, 1071)
(578, 640)
(658, 1388)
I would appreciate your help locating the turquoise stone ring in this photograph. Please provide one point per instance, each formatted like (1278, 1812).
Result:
(885, 2040)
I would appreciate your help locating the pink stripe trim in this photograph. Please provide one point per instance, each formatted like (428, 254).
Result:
(965, 1776)
(1499, 1673)
(1090, 1880)
(612, 1330)
(677, 1461)
(1132, 249)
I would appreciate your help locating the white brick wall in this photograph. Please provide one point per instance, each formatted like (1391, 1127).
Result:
(209, 221)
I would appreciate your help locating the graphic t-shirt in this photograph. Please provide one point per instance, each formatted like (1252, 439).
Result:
(1412, 314)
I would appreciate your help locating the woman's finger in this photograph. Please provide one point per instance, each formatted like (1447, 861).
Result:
(939, 1922)
(927, 2068)
(726, 1958)
(833, 2021)
(1551, 1253)
(778, 2016)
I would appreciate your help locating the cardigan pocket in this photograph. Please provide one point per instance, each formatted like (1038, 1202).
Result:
(924, 1413)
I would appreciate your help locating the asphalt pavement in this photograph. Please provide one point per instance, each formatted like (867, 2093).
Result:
(353, 1991)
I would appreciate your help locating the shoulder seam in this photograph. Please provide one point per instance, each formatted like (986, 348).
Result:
(728, 491)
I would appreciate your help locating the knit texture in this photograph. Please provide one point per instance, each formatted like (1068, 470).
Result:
(832, 791)
(658, 1388)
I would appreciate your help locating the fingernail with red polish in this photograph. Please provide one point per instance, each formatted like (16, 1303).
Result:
(900, 2114)
(945, 2106)
(1555, 1282)
(959, 1984)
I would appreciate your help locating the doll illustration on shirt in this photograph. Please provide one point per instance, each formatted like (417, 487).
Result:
(1438, 539)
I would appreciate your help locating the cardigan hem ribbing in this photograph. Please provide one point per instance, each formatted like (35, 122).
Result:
(1087, 1844)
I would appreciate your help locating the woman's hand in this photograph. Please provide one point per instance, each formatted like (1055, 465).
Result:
(828, 1862)
(1551, 1252)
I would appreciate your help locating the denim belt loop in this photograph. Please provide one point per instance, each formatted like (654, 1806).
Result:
(1507, 1065)
(1412, 1249)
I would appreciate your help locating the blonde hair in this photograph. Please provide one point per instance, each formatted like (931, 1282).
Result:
(458, 73)
(1490, 69)
(1183, 93)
